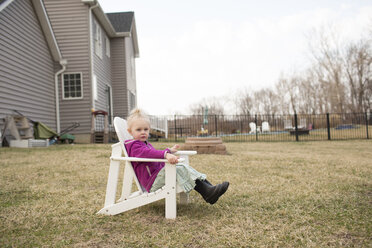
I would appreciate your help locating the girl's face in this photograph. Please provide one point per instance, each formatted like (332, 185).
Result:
(140, 130)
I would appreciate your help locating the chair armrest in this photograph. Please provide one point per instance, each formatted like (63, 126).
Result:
(116, 144)
(134, 159)
(186, 153)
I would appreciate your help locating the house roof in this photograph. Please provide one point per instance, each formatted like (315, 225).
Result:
(121, 21)
(4, 4)
(45, 26)
(124, 24)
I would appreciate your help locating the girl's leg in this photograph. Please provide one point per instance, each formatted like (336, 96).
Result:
(186, 176)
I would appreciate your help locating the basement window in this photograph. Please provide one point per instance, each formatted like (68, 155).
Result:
(72, 86)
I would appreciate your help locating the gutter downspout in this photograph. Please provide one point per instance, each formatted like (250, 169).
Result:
(63, 63)
(91, 52)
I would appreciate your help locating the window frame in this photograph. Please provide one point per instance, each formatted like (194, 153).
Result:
(108, 47)
(98, 47)
(81, 86)
(130, 93)
(111, 104)
(133, 67)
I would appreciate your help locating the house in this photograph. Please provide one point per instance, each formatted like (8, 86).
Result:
(29, 55)
(65, 60)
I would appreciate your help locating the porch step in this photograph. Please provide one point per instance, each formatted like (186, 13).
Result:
(99, 137)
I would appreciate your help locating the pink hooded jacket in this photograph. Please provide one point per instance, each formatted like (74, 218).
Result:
(146, 171)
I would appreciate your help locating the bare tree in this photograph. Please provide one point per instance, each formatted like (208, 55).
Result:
(326, 52)
(215, 106)
(288, 93)
(266, 101)
(357, 63)
(244, 102)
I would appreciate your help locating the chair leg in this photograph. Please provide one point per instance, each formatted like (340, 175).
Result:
(171, 206)
(184, 198)
(170, 187)
(113, 177)
(112, 183)
(127, 182)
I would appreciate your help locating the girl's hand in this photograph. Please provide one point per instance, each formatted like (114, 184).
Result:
(172, 159)
(174, 148)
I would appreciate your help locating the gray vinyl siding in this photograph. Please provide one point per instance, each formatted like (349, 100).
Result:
(119, 77)
(102, 70)
(70, 23)
(26, 65)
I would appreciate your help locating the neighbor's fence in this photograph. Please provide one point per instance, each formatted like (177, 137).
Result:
(297, 127)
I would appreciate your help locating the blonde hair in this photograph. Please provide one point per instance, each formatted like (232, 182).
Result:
(137, 114)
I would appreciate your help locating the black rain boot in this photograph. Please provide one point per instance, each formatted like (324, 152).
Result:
(208, 182)
(210, 193)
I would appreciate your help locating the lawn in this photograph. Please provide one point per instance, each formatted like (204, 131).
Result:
(282, 194)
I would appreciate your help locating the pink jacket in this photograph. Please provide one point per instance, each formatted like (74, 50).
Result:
(146, 171)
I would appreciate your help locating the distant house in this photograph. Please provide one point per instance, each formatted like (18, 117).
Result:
(71, 48)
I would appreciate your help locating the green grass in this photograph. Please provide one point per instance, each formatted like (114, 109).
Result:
(282, 194)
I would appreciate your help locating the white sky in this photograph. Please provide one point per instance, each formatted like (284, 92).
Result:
(197, 49)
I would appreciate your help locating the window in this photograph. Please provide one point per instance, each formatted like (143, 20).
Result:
(133, 71)
(94, 86)
(132, 101)
(98, 41)
(107, 47)
(109, 103)
(72, 86)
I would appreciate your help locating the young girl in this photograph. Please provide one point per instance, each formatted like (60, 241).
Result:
(151, 175)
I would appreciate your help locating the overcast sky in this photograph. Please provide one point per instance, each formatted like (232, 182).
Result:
(197, 49)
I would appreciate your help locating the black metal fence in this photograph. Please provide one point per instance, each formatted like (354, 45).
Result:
(297, 127)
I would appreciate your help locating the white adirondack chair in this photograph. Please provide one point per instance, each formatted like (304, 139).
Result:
(130, 200)
(253, 128)
(302, 124)
(288, 125)
(265, 127)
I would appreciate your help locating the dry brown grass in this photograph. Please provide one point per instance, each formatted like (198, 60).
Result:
(311, 194)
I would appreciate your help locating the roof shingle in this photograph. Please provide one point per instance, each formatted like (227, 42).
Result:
(121, 21)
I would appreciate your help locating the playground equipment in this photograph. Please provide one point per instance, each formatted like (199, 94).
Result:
(99, 132)
(203, 143)
(204, 132)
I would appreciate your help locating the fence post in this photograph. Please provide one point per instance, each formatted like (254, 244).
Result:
(296, 127)
(255, 121)
(175, 128)
(215, 124)
(366, 116)
(328, 127)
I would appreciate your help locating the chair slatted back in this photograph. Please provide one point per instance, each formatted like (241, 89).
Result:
(121, 129)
